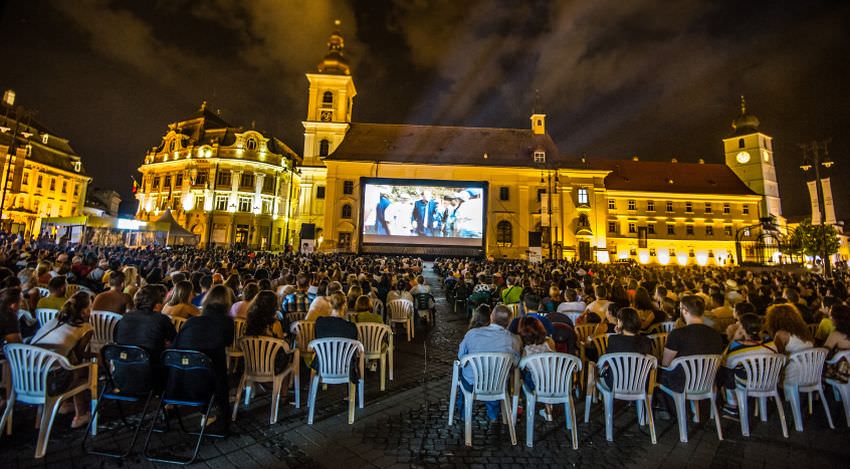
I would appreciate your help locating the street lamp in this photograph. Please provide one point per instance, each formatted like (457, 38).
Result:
(812, 158)
(551, 185)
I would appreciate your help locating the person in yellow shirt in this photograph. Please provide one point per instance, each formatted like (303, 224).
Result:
(56, 299)
(512, 292)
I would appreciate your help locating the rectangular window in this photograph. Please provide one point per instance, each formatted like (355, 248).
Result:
(632, 228)
(612, 204)
(320, 192)
(348, 187)
(612, 227)
(247, 180)
(268, 184)
(689, 230)
(669, 206)
(201, 178)
(708, 207)
(244, 204)
(582, 196)
(155, 183)
(633, 251)
(726, 209)
(267, 206)
(178, 179)
(632, 205)
(199, 203)
(221, 202)
(540, 193)
(222, 178)
(709, 230)
(689, 207)
(727, 230)
(650, 205)
(651, 252)
(53, 184)
(651, 228)
(671, 229)
(745, 209)
(167, 181)
(504, 193)
(26, 178)
(539, 156)
(64, 187)
(76, 189)
(39, 181)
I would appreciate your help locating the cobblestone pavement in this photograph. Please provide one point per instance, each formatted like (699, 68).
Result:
(406, 426)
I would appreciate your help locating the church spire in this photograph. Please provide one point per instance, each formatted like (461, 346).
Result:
(334, 61)
(745, 123)
(538, 117)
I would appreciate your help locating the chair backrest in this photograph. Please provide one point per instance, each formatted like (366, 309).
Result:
(42, 292)
(178, 322)
(334, 355)
(45, 315)
(551, 372)
(490, 371)
(239, 326)
(562, 337)
(763, 371)
(668, 326)
(515, 309)
(600, 342)
(295, 317)
(629, 371)
(378, 307)
(304, 331)
(659, 341)
(260, 353)
(373, 335)
(810, 365)
(583, 331)
(423, 300)
(103, 327)
(190, 378)
(400, 310)
(29, 365)
(700, 371)
(127, 368)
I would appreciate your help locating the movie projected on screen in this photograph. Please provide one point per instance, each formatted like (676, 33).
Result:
(423, 212)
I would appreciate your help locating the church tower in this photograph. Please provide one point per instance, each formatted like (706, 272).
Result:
(749, 153)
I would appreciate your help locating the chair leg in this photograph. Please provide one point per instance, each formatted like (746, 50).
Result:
(311, 400)
(383, 365)
(361, 393)
(249, 388)
(695, 410)
(572, 416)
(239, 390)
(844, 392)
(763, 409)
(640, 415)
(390, 353)
(743, 412)
(792, 394)
(716, 417)
(825, 407)
(51, 408)
(352, 394)
(811, 412)
(529, 419)
(650, 419)
(506, 408)
(296, 372)
(608, 399)
(453, 395)
(6, 420)
(587, 399)
(781, 410)
(276, 387)
(467, 418)
(681, 416)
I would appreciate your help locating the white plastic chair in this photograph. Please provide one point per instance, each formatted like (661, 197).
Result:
(103, 329)
(490, 373)
(810, 364)
(42, 292)
(667, 326)
(30, 366)
(234, 351)
(305, 332)
(700, 372)
(45, 315)
(841, 390)
(401, 311)
(335, 356)
(178, 322)
(659, 341)
(583, 332)
(259, 354)
(552, 374)
(295, 316)
(377, 340)
(763, 372)
(631, 372)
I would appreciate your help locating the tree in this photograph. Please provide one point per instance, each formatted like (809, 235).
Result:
(814, 240)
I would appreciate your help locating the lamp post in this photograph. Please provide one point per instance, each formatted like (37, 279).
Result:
(551, 185)
(812, 158)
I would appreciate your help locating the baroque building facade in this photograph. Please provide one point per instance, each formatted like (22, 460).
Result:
(42, 176)
(227, 185)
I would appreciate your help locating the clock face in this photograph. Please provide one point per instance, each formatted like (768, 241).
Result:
(326, 116)
(765, 156)
(743, 157)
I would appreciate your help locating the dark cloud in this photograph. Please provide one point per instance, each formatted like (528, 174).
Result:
(656, 79)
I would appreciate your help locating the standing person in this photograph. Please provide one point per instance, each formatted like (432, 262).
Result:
(211, 333)
(114, 299)
(68, 334)
(491, 338)
(381, 225)
(423, 214)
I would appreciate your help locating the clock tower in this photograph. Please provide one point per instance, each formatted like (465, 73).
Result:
(749, 153)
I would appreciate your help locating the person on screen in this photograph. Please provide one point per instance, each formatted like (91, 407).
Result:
(381, 225)
(424, 211)
(450, 217)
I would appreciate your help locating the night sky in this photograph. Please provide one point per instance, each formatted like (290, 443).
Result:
(617, 78)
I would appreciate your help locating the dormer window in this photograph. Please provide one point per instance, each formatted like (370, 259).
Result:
(582, 196)
(539, 156)
(251, 144)
(77, 166)
(45, 138)
(172, 145)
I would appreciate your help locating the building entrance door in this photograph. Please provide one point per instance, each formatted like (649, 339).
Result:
(584, 250)
(241, 237)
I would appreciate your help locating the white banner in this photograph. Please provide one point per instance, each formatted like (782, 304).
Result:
(828, 206)
(544, 210)
(535, 255)
(813, 196)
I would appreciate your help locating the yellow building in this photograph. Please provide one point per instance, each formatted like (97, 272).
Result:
(589, 209)
(223, 183)
(41, 177)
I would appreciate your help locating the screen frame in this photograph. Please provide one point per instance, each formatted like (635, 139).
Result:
(483, 185)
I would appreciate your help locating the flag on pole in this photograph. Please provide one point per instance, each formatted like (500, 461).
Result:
(813, 196)
(828, 206)
(135, 184)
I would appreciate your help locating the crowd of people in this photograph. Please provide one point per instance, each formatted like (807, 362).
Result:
(727, 312)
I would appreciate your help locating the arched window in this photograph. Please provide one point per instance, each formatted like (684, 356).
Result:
(327, 99)
(740, 143)
(583, 221)
(324, 147)
(504, 233)
(346, 211)
(172, 145)
(251, 144)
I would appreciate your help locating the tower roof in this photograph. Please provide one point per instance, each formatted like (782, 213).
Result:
(334, 61)
(745, 123)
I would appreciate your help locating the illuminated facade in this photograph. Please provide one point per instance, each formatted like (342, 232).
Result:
(44, 176)
(591, 209)
(227, 185)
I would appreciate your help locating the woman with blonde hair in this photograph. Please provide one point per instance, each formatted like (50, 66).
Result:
(180, 304)
(354, 292)
(42, 272)
(789, 332)
(131, 280)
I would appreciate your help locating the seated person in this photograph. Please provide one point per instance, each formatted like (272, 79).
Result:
(10, 301)
(335, 325)
(626, 340)
(785, 324)
(512, 293)
(262, 321)
(364, 311)
(56, 298)
(572, 303)
(491, 338)
(145, 326)
(551, 302)
(114, 299)
(748, 342)
(694, 339)
(180, 303)
(531, 304)
(838, 340)
(240, 308)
